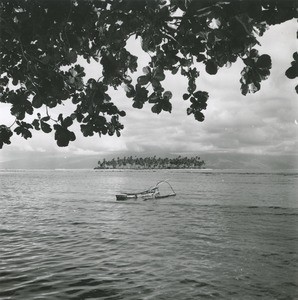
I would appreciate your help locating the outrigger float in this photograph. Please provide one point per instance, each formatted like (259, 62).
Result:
(151, 193)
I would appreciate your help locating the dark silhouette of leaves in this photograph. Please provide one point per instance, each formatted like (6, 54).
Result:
(42, 44)
(292, 72)
(5, 135)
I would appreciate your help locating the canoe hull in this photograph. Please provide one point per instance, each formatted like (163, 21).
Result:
(123, 197)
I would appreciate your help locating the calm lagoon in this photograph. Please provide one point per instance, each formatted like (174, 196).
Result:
(226, 235)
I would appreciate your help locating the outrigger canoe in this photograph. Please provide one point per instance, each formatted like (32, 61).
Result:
(151, 193)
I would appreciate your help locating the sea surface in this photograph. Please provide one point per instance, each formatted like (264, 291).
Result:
(226, 235)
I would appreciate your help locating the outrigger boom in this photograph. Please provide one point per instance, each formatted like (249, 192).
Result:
(151, 193)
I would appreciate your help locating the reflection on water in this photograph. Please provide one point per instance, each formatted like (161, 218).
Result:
(226, 235)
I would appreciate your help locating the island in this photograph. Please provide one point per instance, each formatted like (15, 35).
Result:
(151, 163)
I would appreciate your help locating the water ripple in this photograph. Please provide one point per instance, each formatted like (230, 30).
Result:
(222, 237)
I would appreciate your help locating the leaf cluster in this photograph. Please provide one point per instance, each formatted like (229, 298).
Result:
(292, 71)
(257, 69)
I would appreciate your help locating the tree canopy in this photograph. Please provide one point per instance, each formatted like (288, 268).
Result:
(43, 44)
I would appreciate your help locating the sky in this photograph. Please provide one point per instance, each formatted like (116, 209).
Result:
(264, 123)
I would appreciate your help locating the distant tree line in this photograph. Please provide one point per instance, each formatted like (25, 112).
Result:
(151, 163)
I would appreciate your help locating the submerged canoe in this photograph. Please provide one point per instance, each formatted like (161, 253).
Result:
(151, 193)
(162, 196)
(127, 196)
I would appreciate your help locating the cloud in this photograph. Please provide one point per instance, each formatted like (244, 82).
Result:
(84, 152)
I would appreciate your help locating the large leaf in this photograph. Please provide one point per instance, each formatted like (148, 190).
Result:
(264, 61)
(138, 104)
(168, 95)
(143, 80)
(156, 108)
(37, 101)
(211, 67)
(45, 127)
(199, 116)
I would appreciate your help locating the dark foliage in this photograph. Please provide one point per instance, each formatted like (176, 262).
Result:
(42, 43)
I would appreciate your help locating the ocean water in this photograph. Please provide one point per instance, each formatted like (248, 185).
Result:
(226, 235)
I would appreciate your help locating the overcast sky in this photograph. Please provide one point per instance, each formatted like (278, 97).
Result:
(261, 123)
